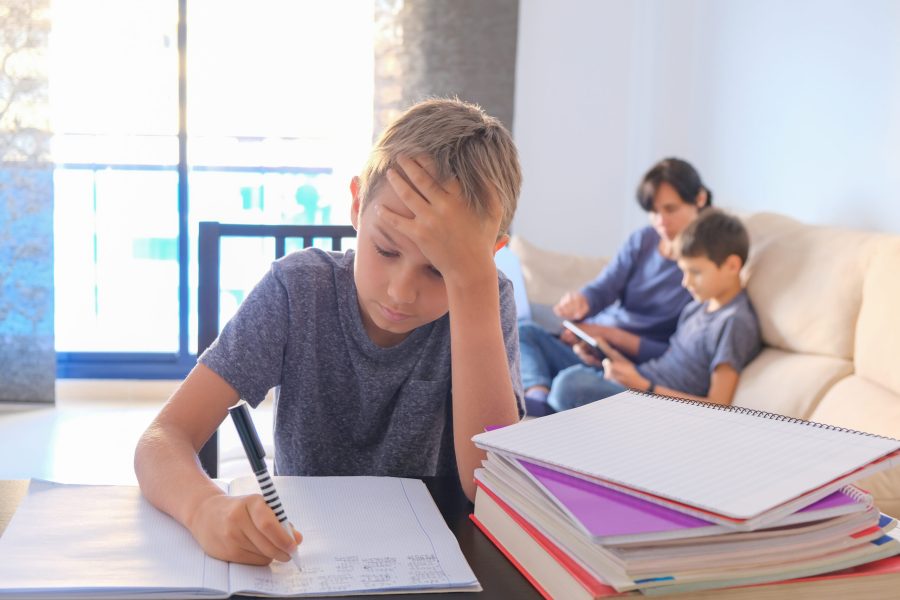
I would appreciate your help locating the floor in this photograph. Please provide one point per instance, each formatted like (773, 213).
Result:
(90, 434)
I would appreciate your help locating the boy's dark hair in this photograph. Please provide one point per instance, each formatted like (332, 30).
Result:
(715, 235)
(678, 173)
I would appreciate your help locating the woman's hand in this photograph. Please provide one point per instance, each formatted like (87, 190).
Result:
(573, 306)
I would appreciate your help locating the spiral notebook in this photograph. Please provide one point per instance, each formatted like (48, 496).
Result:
(730, 465)
(610, 517)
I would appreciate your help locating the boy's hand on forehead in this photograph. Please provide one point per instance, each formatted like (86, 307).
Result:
(456, 240)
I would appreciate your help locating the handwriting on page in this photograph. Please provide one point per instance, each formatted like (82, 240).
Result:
(370, 536)
(350, 573)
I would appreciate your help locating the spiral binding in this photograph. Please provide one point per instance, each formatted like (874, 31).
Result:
(763, 414)
(858, 495)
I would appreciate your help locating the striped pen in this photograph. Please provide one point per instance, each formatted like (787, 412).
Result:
(255, 452)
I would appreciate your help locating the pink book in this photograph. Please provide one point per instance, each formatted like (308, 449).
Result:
(612, 517)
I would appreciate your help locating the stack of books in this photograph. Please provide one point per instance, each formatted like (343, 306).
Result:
(645, 494)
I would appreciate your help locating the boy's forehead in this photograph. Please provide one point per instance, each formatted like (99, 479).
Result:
(694, 261)
(376, 222)
(384, 195)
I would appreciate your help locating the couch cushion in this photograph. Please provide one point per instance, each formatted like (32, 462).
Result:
(787, 383)
(548, 275)
(859, 404)
(878, 329)
(806, 283)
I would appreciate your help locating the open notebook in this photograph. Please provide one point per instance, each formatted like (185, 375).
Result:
(361, 535)
(726, 464)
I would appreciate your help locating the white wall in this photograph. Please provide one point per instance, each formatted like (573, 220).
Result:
(783, 105)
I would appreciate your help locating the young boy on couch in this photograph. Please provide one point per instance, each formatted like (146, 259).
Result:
(717, 334)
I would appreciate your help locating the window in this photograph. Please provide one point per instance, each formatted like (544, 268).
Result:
(276, 116)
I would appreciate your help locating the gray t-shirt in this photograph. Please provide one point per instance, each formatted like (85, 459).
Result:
(343, 405)
(703, 341)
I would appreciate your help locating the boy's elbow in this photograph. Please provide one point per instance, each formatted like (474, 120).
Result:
(143, 451)
(468, 488)
(467, 481)
(156, 446)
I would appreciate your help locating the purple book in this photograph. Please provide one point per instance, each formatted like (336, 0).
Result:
(609, 516)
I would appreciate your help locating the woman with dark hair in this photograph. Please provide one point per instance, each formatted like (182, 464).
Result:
(635, 301)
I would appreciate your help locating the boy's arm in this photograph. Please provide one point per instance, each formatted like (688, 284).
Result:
(722, 383)
(239, 529)
(482, 389)
(461, 245)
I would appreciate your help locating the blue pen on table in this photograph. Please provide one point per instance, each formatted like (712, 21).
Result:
(255, 452)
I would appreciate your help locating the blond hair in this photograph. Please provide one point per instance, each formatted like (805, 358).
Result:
(463, 141)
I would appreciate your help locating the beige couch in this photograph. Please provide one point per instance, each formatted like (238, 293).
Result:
(828, 301)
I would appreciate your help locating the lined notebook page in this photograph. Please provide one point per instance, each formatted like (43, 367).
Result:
(360, 535)
(65, 539)
(728, 462)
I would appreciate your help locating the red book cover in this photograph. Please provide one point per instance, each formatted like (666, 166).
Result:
(596, 587)
(510, 557)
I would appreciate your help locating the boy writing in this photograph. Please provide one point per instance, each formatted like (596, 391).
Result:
(364, 347)
(717, 334)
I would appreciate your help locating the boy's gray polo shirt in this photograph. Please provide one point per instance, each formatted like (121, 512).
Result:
(703, 341)
(343, 405)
